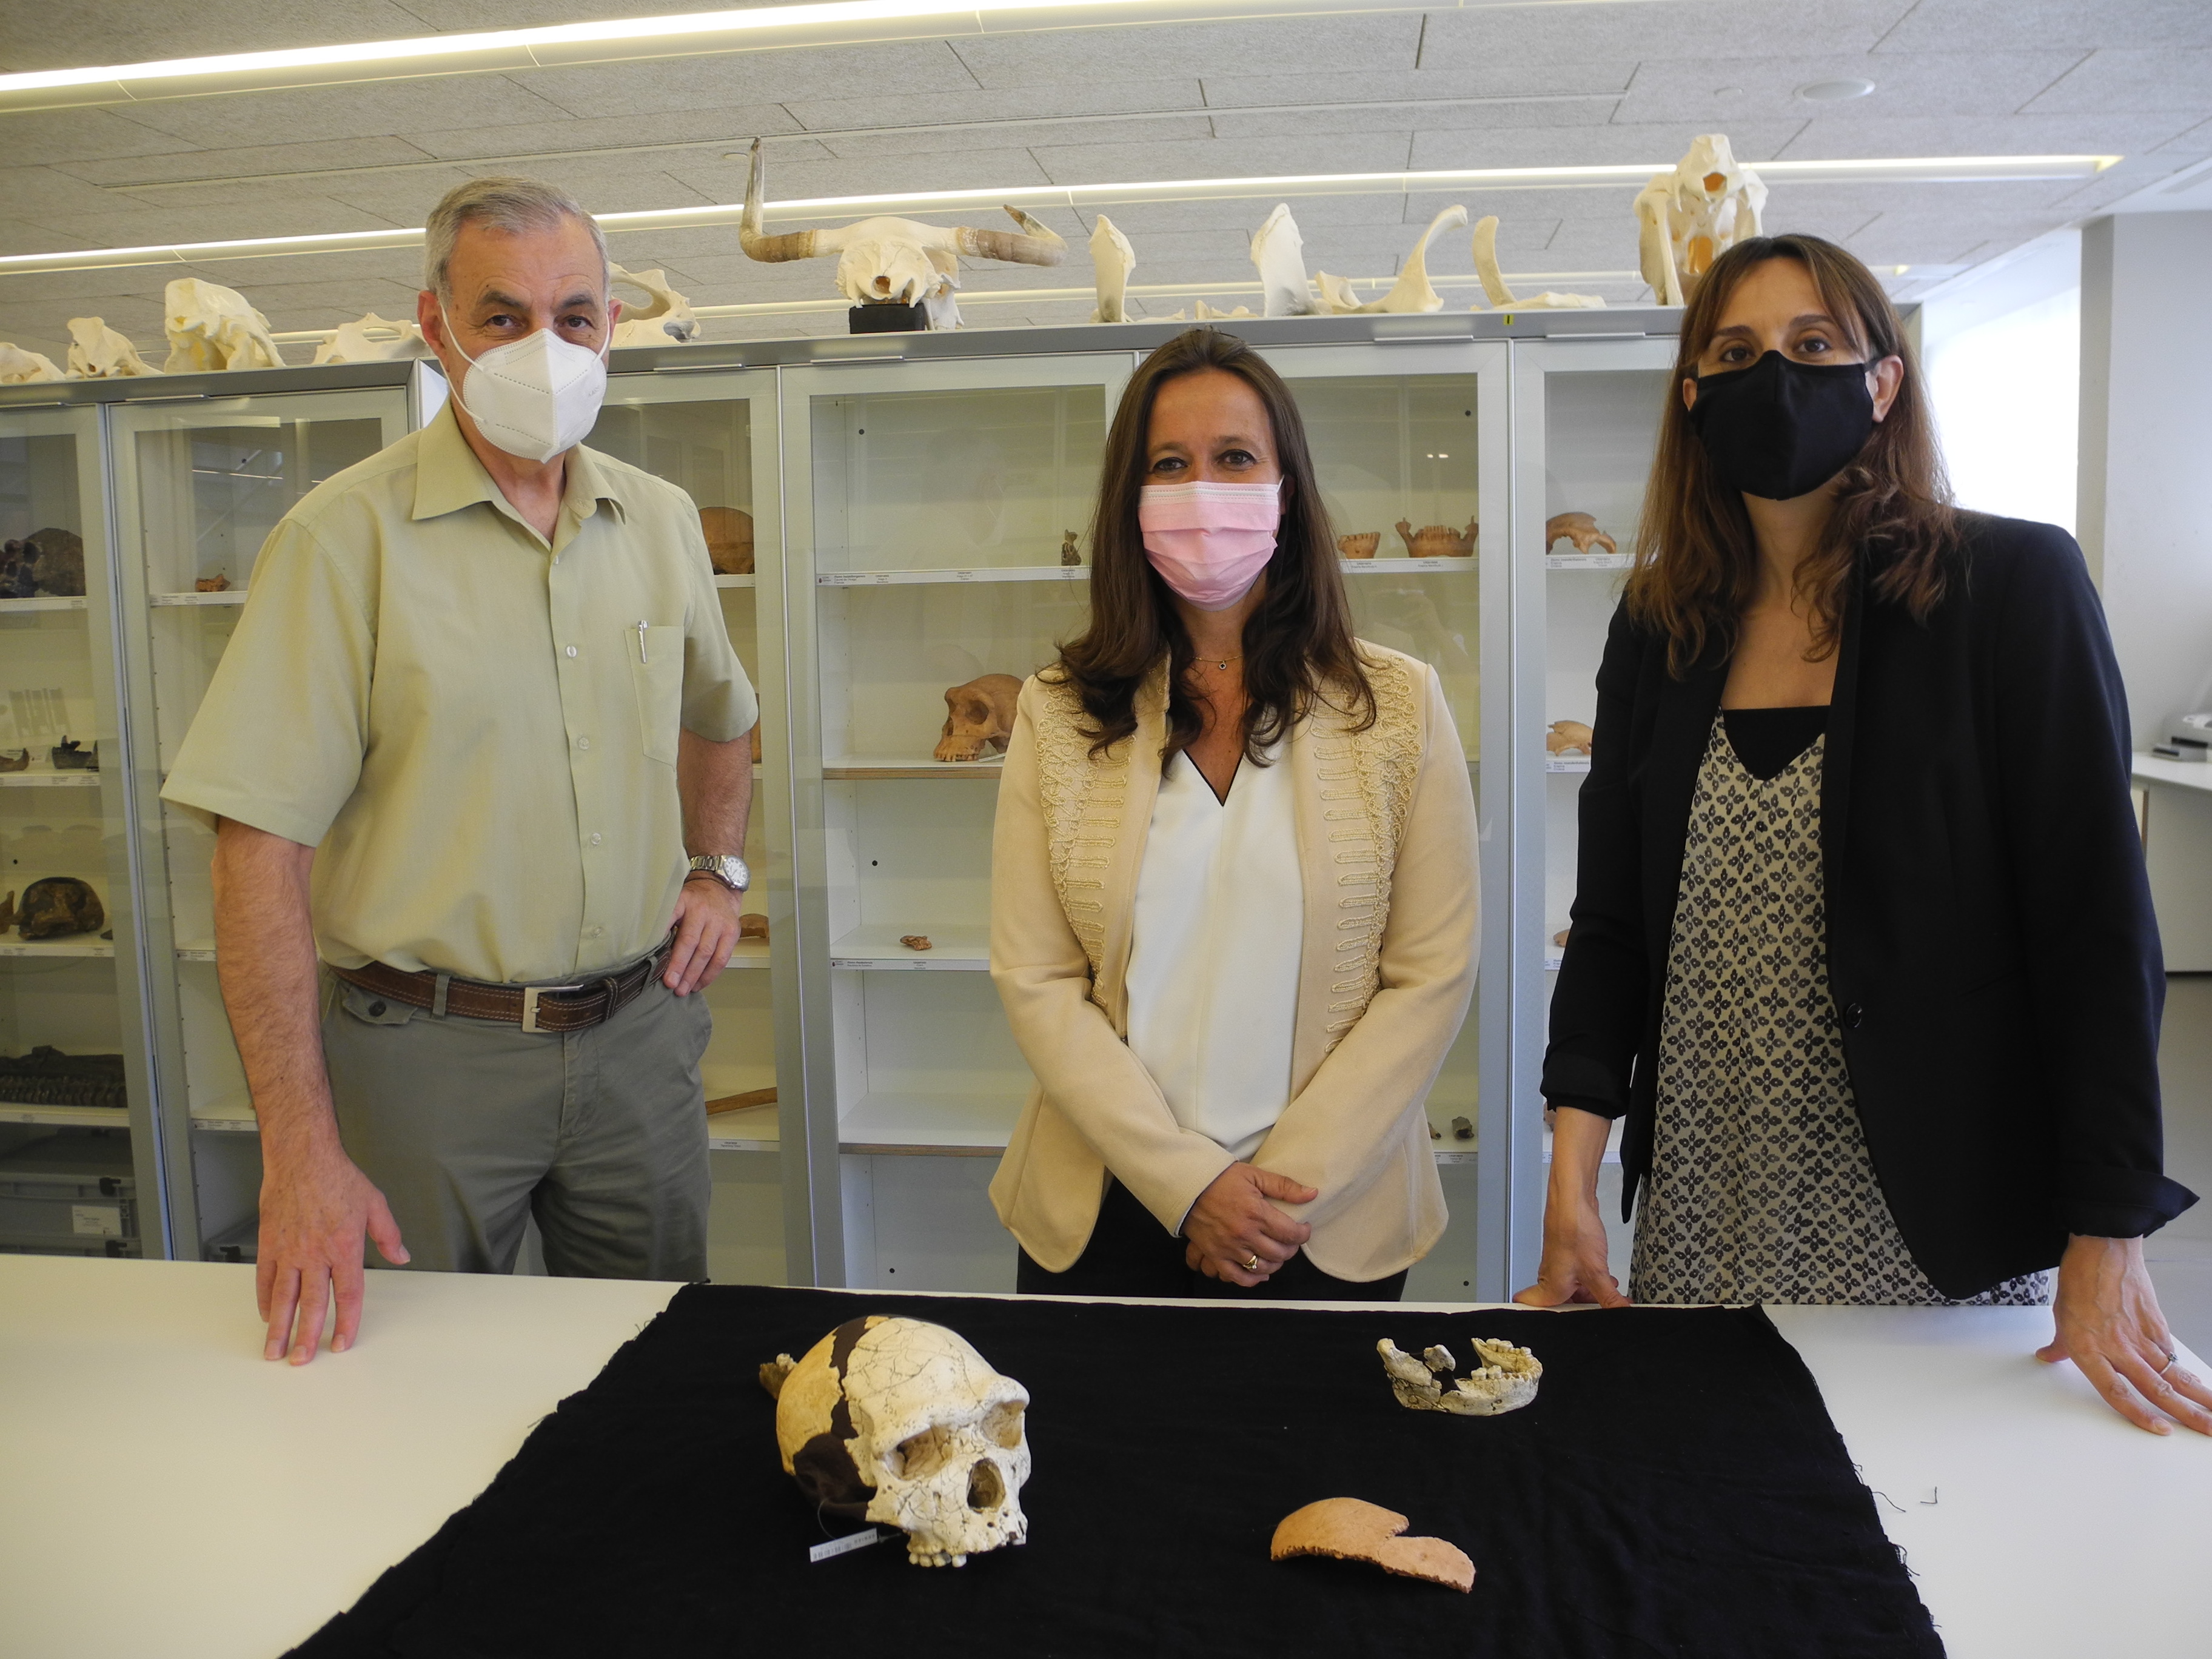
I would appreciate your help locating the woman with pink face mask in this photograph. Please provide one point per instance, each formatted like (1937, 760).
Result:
(1233, 897)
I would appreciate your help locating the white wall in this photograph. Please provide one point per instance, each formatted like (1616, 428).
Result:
(2145, 506)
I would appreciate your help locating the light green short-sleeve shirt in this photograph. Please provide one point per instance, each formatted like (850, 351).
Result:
(471, 725)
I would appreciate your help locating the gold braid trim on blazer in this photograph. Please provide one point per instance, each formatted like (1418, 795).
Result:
(1082, 795)
(1385, 762)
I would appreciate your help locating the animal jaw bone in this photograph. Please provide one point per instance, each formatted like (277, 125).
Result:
(1412, 291)
(1504, 1382)
(98, 352)
(21, 368)
(1687, 218)
(1112, 259)
(1278, 252)
(372, 339)
(212, 327)
(1353, 1529)
(1579, 528)
(898, 261)
(1567, 737)
(1494, 279)
(669, 319)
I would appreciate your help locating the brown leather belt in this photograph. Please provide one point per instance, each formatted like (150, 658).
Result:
(552, 1008)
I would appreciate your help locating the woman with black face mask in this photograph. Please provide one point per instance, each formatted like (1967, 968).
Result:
(1862, 945)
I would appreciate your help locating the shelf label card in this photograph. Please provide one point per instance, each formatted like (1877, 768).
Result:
(99, 1220)
(847, 1545)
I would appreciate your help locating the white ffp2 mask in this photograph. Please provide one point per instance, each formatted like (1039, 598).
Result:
(535, 397)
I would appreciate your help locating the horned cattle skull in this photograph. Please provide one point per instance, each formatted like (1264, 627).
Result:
(667, 320)
(902, 1423)
(98, 352)
(887, 261)
(212, 327)
(979, 715)
(1686, 218)
(22, 367)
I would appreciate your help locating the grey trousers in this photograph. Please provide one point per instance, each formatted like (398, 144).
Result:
(467, 1127)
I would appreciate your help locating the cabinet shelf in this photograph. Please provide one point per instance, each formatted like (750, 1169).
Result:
(65, 1117)
(79, 949)
(946, 1124)
(51, 602)
(228, 596)
(1011, 573)
(735, 581)
(226, 1114)
(749, 1129)
(850, 769)
(1588, 560)
(953, 949)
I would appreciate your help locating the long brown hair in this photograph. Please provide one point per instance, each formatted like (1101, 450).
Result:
(1697, 561)
(1298, 645)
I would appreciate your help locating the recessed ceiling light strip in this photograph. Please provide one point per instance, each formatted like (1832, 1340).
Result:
(836, 22)
(1952, 169)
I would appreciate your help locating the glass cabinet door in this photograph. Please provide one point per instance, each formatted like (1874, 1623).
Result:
(80, 1164)
(1588, 420)
(938, 523)
(712, 435)
(1404, 438)
(200, 485)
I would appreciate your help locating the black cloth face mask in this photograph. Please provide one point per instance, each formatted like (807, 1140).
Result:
(1782, 428)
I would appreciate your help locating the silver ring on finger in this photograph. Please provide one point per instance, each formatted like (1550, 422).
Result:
(2171, 1356)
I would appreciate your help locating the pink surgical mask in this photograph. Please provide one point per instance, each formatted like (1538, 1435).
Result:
(1210, 541)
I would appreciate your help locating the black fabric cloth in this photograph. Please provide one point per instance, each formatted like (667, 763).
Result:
(1675, 1489)
(1767, 739)
(1991, 942)
(1130, 1253)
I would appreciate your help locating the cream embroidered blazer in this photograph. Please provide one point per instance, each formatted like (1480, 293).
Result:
(1387, 847)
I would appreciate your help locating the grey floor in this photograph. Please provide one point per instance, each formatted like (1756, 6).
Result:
(2181, 1255)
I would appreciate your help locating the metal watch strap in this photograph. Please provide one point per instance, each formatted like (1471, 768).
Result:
(726, 867)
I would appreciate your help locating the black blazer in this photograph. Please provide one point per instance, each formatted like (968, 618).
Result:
(1991, 947)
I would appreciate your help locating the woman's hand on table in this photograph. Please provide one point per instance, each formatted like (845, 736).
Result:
(1234, 1221)
(2109, 1325)
(1575, 1265)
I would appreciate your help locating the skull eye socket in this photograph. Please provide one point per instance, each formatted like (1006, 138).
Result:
(986, 1489)
(919, 1455)
(1004, 1426)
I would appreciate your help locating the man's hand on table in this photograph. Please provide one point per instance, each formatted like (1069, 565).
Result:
(707, 922)
(2108, 1323)
(1234, 1221)
(315, 1207)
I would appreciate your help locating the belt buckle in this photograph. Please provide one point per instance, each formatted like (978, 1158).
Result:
(530, 995)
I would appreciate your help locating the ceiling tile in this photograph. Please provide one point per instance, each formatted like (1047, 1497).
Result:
(1223, 158)
(1654, 145)
(1737, 89)
(725, 181)
(612, 133)
(350, 112)
(606, 187)
(25, 192)
(1710, 31)
(749, 77)
(1143, 219)
(2121, 133)
(897, 110)
(1596, 79)
(1981, 25)
(1280, 45)
(446, 16)
(42, 137)
(88, 32)
(898, 142)
(162, 226)
(187, 166)
(1439, 117)
(2177, 78)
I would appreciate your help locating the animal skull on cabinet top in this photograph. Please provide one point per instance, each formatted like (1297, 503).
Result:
(887, 261)
(212, 327)
(1686, 218)
(372, 339)
(98, 352)
(1112, 259)
(902, 1423)
(669, 320)
(980, 716)
(1412, 291)
(22, 367)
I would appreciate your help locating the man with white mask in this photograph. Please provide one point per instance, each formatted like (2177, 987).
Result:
(478, 744)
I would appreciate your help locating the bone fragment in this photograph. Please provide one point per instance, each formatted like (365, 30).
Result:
(773, 1373)
(1353, 1529)
(1505, 1380)
(1112, 259)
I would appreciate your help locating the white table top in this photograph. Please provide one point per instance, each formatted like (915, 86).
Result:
(2182, 774)
(165, 1492)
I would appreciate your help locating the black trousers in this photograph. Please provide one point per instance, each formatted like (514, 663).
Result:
(1130, 1253)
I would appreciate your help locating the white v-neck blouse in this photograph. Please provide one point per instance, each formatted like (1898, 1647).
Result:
(1219, 923)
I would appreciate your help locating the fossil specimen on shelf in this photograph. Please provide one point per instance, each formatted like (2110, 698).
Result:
(1361, 545)
(1579, 528)
(1112, 259)
(1567, 737)
(667, 320)
(49, 561)
(212, 327)
(979, 715)
(886, 261)
(1687, 218)
(729, 533)
(1278, 251)
(1070, 555)
(98, 352)
(1353, 1529)
(372, 339)
(916, 941)
(57, 905)
(1411, 292)
(1493, 280)
(21, 368)
(1438, 541)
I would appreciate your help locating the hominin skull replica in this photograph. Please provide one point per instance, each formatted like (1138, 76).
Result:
(902, 1422)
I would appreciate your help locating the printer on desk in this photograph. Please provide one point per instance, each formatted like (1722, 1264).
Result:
(2193, 741)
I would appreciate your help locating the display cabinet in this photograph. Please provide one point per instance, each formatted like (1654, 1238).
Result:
(712, 435)
(80, 1163)
(1586, 422)
(199, 484)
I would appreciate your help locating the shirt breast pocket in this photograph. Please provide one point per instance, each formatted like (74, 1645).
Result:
(656, 668)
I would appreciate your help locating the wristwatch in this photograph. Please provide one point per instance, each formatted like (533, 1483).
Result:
(726, 867)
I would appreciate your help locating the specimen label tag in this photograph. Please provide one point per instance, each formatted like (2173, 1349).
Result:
(845, 1546)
